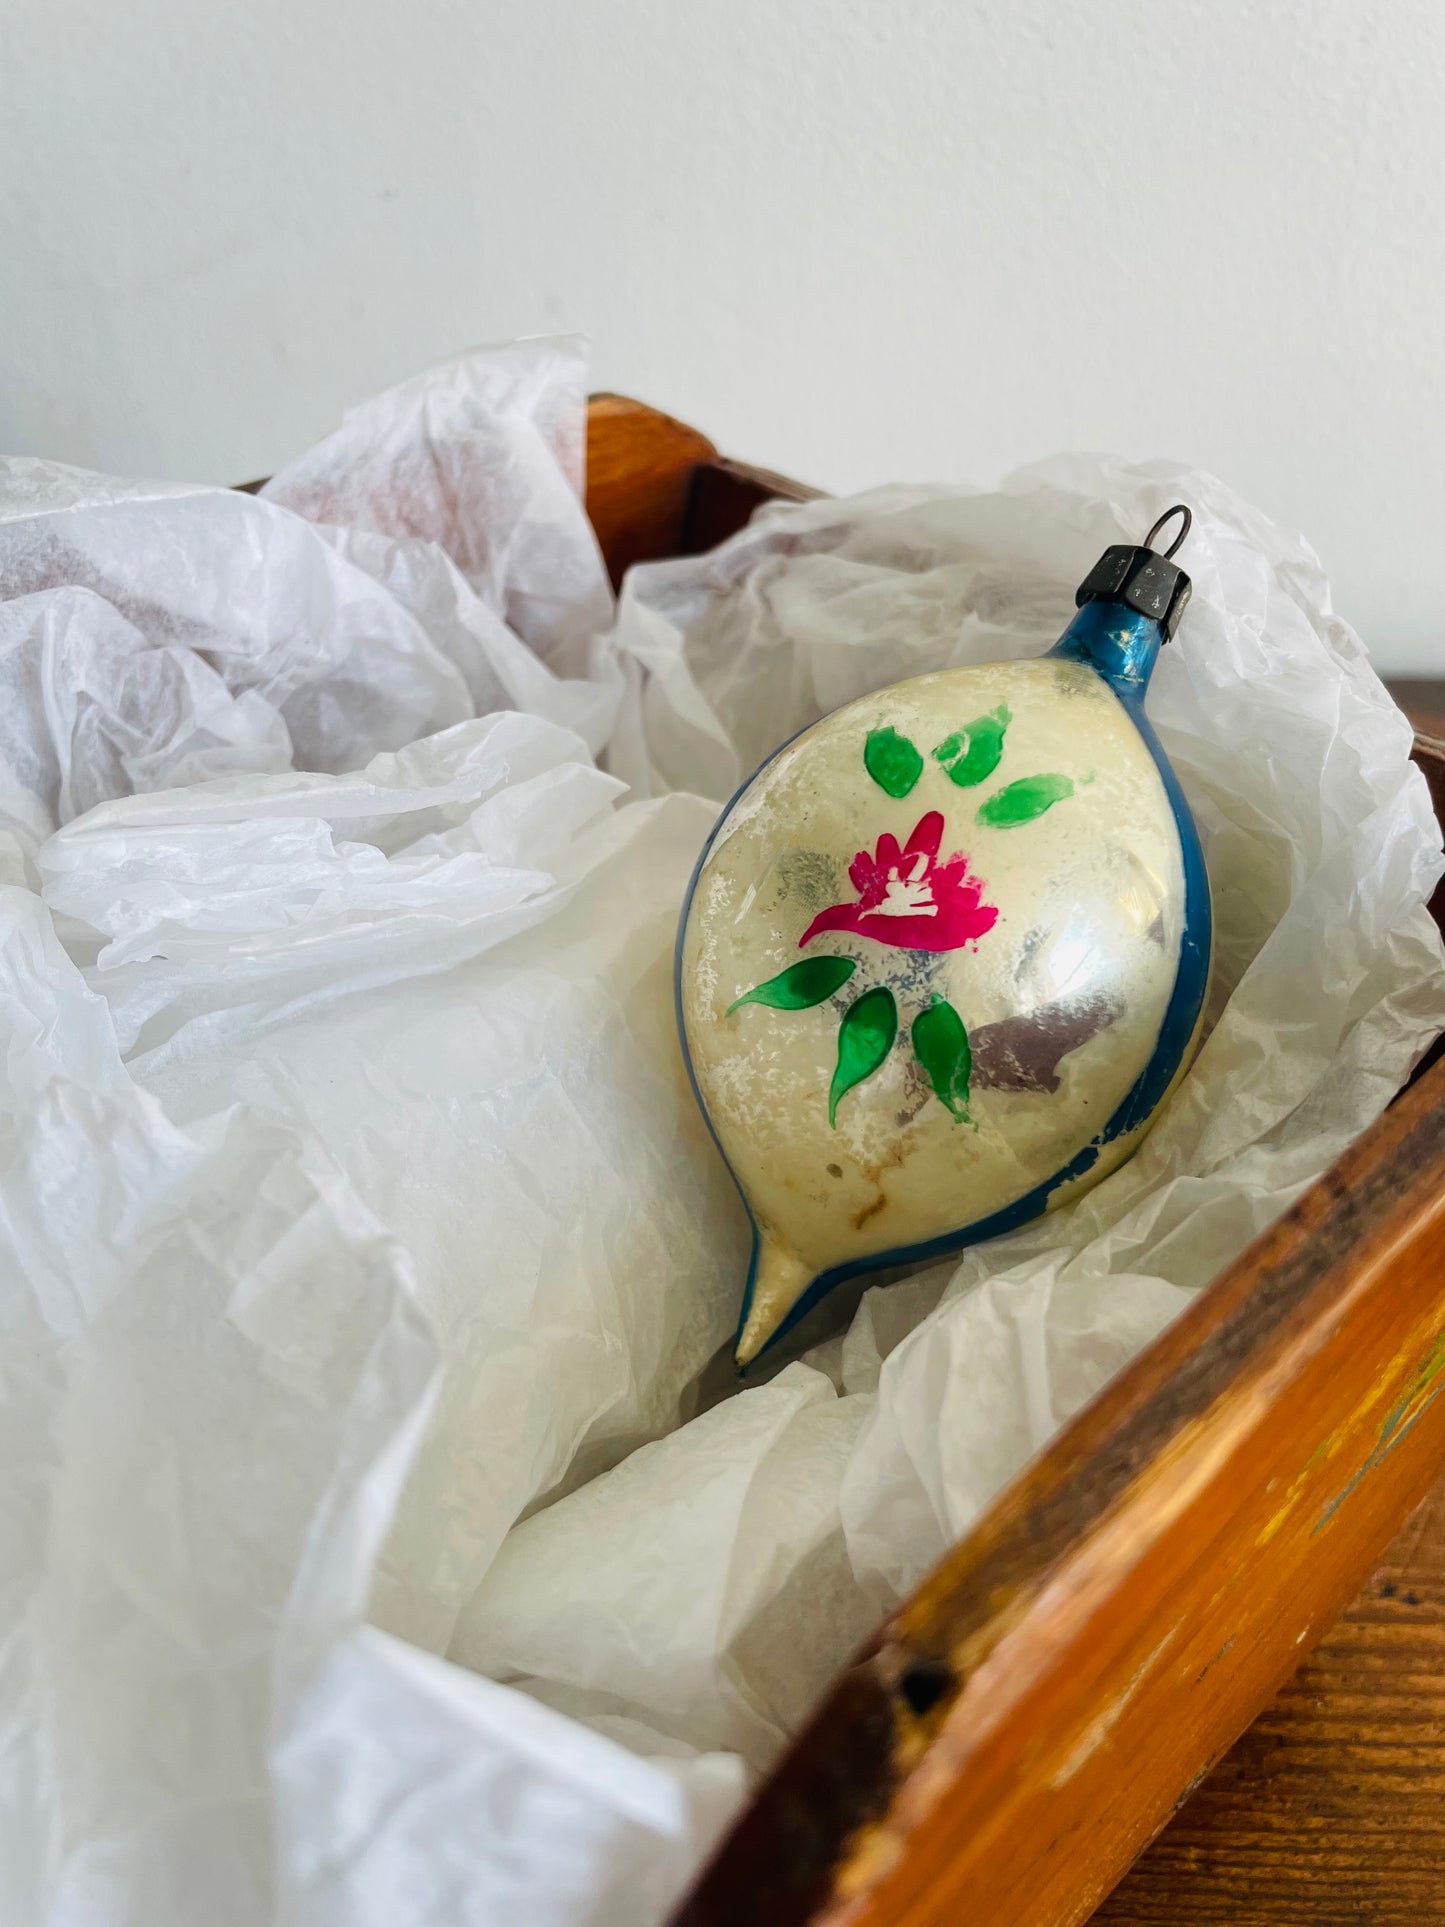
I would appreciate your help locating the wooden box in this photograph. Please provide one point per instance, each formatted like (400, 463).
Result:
(1014, 1734)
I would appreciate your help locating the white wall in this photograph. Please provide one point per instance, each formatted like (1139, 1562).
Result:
(855, 239)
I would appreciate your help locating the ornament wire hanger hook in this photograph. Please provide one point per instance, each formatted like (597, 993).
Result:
(1184, 528)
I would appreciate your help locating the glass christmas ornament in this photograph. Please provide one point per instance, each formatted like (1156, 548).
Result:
(945, 955)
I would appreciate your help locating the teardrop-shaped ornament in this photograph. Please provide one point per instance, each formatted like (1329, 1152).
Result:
(946, 954)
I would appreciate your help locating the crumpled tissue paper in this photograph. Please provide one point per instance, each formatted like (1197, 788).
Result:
(158, 635)
(381, 1544)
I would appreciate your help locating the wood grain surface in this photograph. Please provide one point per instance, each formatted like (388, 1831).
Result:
(1330, 1812)
(642, 468)
(724, 497)
(657, 488)
(1423, 701)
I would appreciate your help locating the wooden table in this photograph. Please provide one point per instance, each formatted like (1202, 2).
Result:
(1423, 703)
(1330, 1811)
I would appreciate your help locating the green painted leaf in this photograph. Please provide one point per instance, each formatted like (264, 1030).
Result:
(940, 1043)
(974, 752)
(892, 761)
(801, 985)
(865, 1038)
(1022, 801)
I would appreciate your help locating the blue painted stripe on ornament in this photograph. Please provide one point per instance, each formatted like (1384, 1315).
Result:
(1191, 982)
(1123, 646)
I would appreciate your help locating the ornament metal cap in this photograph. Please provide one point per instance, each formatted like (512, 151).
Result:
(1143, 578)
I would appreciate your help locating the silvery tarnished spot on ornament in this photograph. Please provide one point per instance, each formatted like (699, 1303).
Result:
(945, 955)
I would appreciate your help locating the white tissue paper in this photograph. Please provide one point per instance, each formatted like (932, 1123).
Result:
(382, 1541)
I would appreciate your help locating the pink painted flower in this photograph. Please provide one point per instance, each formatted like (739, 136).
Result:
(907, 897)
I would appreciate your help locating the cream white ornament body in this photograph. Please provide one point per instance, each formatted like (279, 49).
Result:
(943, 959)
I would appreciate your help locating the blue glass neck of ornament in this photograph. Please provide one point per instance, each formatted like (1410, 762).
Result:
(1117, 641)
